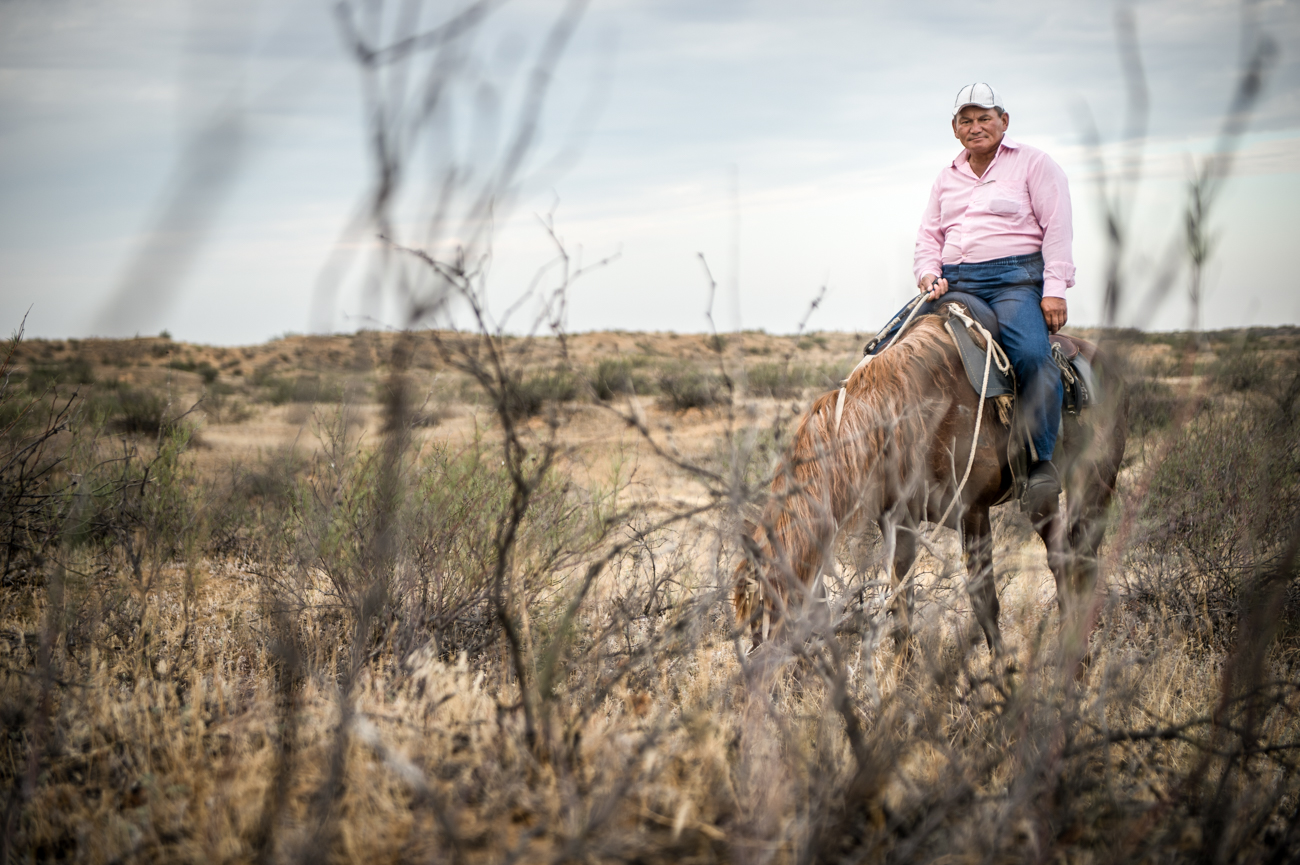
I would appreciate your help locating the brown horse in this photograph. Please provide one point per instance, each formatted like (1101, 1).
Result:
(897, 457)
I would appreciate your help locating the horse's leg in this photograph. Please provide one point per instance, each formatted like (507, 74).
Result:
(1051, 528)
(1086, 508)
(900, 553)
(977, 545)
(1090, 485)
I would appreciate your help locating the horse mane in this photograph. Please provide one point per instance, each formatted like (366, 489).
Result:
(830, 476)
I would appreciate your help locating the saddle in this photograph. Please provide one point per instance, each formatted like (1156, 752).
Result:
(1073, 356)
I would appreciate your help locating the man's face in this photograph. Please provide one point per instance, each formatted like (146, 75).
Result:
(980, 130)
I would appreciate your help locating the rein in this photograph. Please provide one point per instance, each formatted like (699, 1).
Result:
(911, 308)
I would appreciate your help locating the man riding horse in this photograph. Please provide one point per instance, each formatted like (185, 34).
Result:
(998, 226)
(888, 446)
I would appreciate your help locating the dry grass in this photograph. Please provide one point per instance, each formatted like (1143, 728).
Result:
(201, 675)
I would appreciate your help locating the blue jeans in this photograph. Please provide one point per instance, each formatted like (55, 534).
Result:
(1013, 286)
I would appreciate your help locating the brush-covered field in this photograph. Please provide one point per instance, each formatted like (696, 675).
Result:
(439, 597)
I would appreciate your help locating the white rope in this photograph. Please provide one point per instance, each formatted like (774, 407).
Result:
(989, 348)
(992, 351)
(1004, 362)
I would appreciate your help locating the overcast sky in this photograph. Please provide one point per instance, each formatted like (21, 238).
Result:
(792, 144)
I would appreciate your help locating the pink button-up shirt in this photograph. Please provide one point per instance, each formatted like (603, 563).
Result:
(1020, 206)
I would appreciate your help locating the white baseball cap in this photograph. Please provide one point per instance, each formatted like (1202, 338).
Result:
(982, 95)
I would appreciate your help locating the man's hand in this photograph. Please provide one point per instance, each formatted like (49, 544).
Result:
(933, 285)
(1054, 313)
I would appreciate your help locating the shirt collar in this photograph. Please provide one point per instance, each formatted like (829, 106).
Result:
(964, 156)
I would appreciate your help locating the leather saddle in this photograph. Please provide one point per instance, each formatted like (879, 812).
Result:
(1073, 356)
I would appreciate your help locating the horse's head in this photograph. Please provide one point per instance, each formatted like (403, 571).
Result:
(759, 594)
(747, 594)
(762, 584)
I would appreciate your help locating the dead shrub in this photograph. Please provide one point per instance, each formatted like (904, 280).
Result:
(1223, 499)
(1152, 406)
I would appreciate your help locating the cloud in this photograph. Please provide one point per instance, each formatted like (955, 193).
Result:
(833, 116)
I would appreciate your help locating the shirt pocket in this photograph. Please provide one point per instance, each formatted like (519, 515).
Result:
(1004, 206)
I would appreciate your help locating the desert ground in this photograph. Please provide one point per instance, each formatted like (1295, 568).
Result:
(453, 597)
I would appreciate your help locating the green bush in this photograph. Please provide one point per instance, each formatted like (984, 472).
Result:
(1246, 369)
(224, 406)
(306, 388)
(74, 370)
(816, 340)
(431, 416)
(16, 416)
(131, 410)
(1152, 406)
(250, 509)
(615, 376)
(140, 412)
(526, 397)
(203, 368)
(684, 386)
(444, 526)
(788, 381)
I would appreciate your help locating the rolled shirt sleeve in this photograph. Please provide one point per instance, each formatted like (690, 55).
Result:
(1049, 195)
